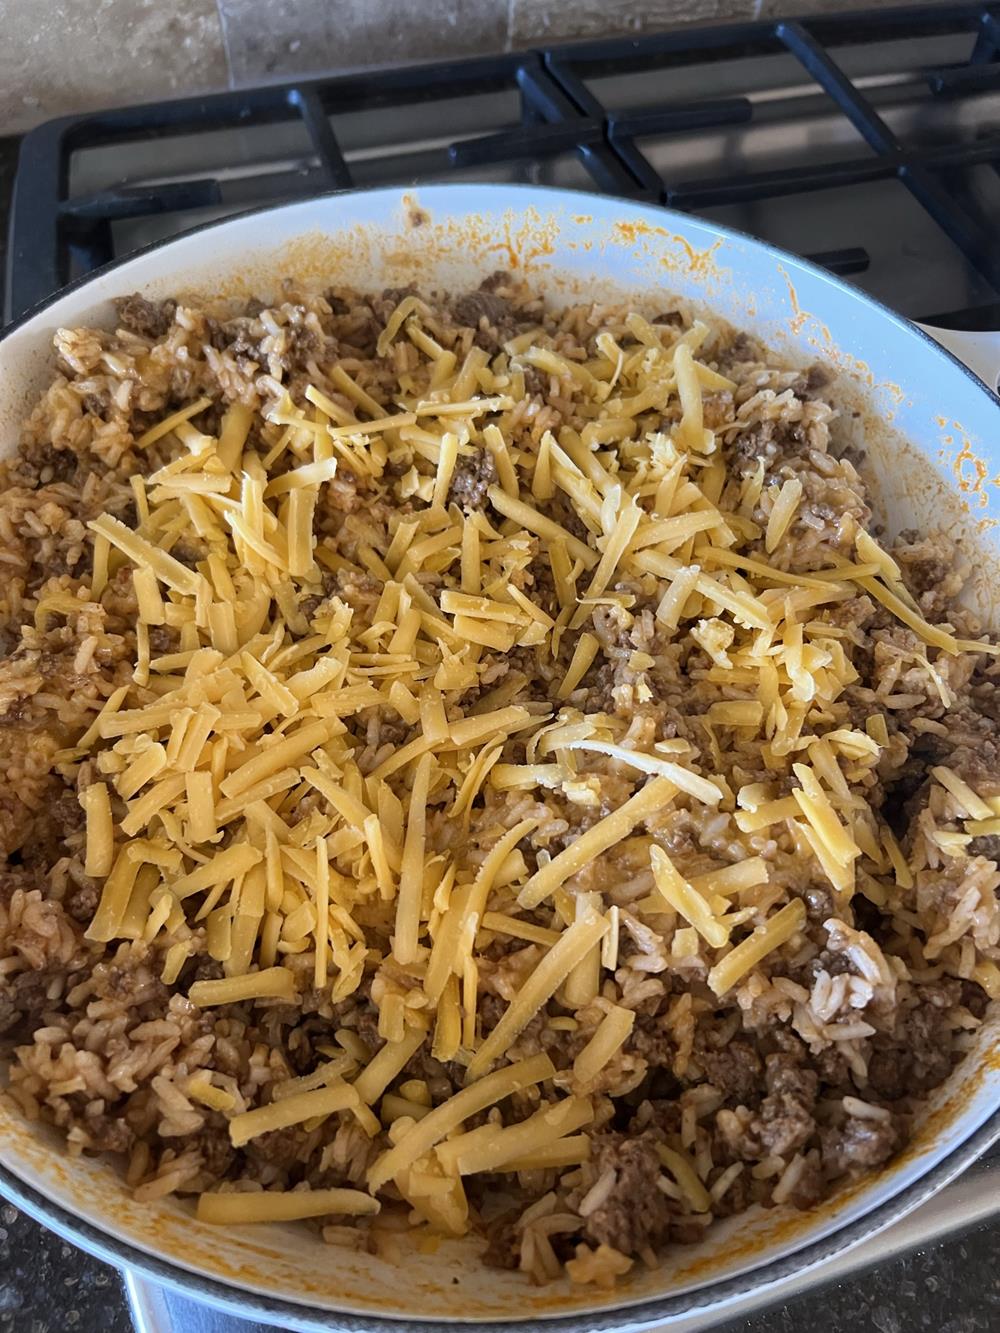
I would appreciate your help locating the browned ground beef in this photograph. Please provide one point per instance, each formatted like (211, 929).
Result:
(151, 319)
(108, 1133)
(858, 1145)
(476, 307)
(915, 1057)
(503, 1241)
(635, 1215)
(786, 1122)
(471, 480)
(735, 1070)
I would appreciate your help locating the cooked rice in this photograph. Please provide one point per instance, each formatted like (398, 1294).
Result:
(806, 1071)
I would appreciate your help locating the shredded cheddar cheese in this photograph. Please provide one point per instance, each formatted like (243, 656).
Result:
(331, 771)
(239, 1209)
(609, 1037)
(423, 1136)
(757, 946)
(573, 945)
(470, 1153)
(686, 900)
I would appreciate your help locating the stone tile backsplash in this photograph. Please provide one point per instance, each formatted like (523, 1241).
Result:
(62, 56)
(533, 22)
(268, 39)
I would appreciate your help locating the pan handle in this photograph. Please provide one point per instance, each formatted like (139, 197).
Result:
(979, 351)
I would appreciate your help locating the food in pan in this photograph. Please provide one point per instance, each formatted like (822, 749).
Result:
(475, 766)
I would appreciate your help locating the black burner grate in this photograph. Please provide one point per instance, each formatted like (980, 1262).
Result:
(563, 116)
(920, 168)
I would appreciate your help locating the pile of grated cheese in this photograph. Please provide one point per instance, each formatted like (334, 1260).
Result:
(206, 759)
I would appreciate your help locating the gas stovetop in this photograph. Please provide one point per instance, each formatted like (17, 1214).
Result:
(869, 142)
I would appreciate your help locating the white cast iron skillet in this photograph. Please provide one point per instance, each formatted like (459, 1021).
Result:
(932, 436)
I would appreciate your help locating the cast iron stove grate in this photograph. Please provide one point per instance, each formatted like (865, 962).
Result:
(868, 141)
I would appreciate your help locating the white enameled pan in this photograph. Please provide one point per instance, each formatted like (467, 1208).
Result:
(931, 432)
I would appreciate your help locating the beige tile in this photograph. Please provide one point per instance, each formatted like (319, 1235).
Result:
(536, 21)
(791, 8)
(289, 37)
(61, 56)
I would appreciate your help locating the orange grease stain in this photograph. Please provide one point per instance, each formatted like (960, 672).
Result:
(822, 340)
(701, 263)
(629, 231)
(971, 471)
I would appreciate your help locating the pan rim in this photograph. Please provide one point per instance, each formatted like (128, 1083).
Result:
(644, 1314)
(485, 188)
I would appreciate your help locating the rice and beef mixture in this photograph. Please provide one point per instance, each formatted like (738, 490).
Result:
(477, 766)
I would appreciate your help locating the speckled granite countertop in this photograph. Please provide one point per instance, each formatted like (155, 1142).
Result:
(46, 1286)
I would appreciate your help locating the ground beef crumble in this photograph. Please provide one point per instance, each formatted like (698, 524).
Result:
(471, 480)
(635, 1214)
(858, 1145)
(785, 1122)
(150, 319)
(735, 1070)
